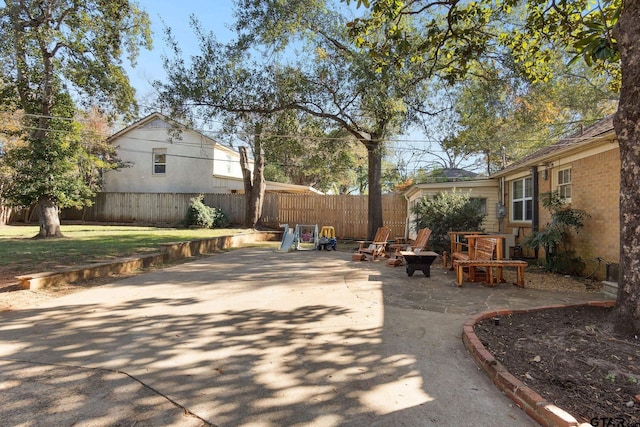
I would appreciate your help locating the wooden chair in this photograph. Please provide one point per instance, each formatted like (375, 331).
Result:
(377, 247)
(420, 244)
(482, 250)
(459, 249)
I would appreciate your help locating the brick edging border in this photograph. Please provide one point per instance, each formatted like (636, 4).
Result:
(544, 412)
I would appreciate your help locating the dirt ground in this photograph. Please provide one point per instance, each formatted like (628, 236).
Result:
(569, 356)
(573, 358)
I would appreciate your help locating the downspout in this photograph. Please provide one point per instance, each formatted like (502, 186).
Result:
(535, 220)
(503, 192)
(503, 202)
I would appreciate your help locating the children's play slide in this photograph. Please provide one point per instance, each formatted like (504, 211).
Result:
(303, 237)
(288, 238)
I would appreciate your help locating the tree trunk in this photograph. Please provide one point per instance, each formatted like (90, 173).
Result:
(375, 188)
(259, 185)
(627, 125)
(254, 184)
(48, 218)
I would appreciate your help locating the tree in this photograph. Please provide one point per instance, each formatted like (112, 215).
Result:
(606, 34)
(447, 211)
(10, 137)
(254, 184)
(503, 115)
(300, 149)
(329, 77)
(51, 48)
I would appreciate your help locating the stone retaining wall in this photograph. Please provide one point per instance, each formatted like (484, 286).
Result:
(168, 252)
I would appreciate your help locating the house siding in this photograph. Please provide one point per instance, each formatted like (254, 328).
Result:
(194, 163)
(595, 188)
(487, 189)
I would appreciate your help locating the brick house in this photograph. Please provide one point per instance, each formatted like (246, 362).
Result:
(585, 170)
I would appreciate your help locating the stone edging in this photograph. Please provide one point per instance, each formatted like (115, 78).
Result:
(544, 412)
(168, 251)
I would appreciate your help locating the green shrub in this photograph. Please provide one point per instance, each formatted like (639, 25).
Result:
(555, 238)
(447, 211)
(201, 215)
(220, 219)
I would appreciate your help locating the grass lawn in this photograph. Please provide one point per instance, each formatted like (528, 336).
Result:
(20, 254)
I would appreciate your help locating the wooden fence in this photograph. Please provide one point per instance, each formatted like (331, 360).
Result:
(347, 214)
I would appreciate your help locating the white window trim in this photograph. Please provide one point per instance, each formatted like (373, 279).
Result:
(567, 184)
(154, 152)
(524, 200)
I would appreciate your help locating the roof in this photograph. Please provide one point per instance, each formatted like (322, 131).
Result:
(172, 122)
(597, 132)
(464, 185)
(456, 173)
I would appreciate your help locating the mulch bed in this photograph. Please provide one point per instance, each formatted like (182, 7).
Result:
(573, 358)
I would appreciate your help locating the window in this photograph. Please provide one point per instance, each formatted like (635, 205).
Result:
(159, 161)
(481, 203)
(229, 164)
(564, 183)
(522, 200)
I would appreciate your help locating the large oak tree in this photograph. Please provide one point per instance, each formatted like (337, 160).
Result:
(299, 55)
(56, 54)
(606, 34)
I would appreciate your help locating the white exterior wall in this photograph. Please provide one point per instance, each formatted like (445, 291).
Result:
(226, 162)
(190, 163)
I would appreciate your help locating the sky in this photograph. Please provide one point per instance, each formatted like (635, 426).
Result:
(215, 15)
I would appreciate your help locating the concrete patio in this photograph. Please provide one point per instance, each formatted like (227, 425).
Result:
(254, 337)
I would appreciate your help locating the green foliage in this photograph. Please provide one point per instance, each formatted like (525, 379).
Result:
(304, 150)
(80, 43)
(447, 211)
(49, 52)
(555, 238)
(203, 216)
(49, 166)
(587, 30)
(500, 113)
(220, 219)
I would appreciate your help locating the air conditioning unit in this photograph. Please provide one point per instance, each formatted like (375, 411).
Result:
(509, 244)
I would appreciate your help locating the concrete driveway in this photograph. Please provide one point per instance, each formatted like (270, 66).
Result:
(253, 337)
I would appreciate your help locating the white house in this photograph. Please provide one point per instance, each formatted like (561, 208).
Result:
(191, 162)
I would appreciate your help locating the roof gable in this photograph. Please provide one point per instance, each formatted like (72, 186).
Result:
(160, 121)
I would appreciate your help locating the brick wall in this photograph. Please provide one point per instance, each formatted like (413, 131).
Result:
(595, 182)
(596, 189)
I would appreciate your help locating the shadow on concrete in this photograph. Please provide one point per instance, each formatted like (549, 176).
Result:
(252, 337)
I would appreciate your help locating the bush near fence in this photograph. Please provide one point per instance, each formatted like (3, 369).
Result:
(346, 213)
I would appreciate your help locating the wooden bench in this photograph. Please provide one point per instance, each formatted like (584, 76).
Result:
(482, 256)
(490, 265)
